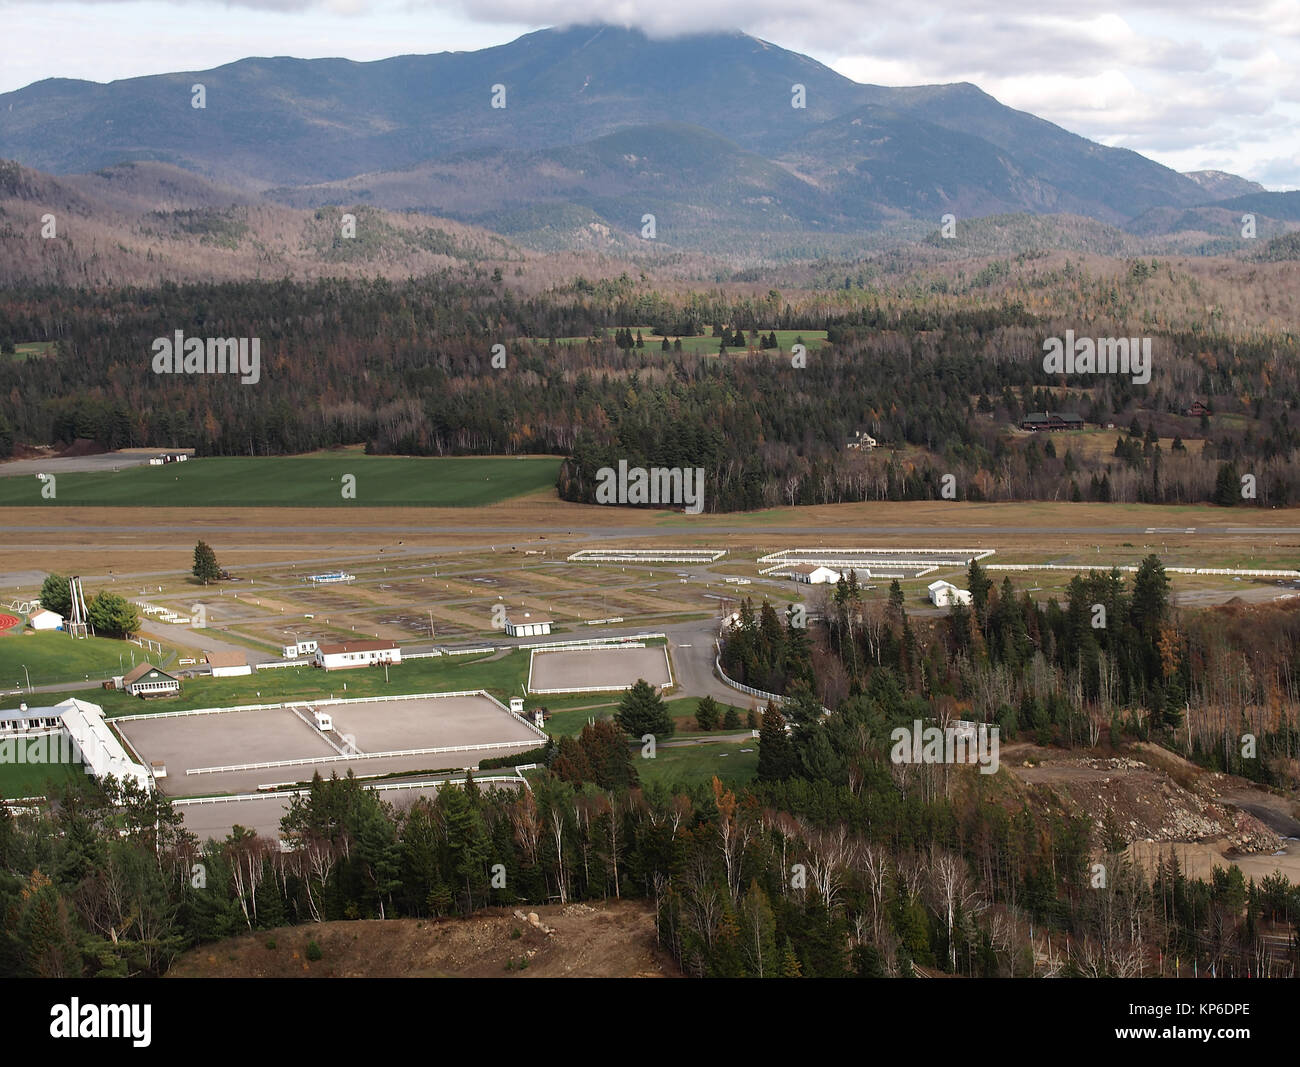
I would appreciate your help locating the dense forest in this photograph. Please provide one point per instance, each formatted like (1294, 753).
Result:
(407, 367)
(1116, 660)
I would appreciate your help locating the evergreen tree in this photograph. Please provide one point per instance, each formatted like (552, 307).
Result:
(642, 711)
(206, 568)
(775, 750)
(55, 595)
(707, 713)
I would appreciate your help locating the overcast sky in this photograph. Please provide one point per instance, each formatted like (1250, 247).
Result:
(1191, 83)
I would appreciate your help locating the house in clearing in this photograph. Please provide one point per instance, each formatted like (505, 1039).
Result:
(146, 680)
(861, 442)
(527, 625)
(943, 594)
(348, 654)
(1051, 420)
(228, 664)
(1197, 409)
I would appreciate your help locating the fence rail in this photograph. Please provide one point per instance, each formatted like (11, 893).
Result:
(1129, 568)
(305, 761)
(305, 702)
(378, 787)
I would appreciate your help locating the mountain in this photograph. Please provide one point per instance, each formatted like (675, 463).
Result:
(601, 125)
(1220, 185)
(146, 223)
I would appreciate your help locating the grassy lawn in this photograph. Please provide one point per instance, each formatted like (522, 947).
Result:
(501, 677)
(33, 779)
(699, 763)
(299, 481)
(52, 657)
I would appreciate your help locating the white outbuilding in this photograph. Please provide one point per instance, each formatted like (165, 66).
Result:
(812, 574)
(527, 625)
(349, 654)
(943, 594)
(228, 664)
(45, 620)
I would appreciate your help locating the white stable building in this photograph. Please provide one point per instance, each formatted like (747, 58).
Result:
(944, 594)
(812, 574)
(300, 648)
(44, 619)
(348, 654)
(228, 664)
(81, 734)
(527, 625)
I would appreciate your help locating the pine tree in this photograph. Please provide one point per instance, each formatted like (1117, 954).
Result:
(775, 750)
(642, 711)
(706, 713)
(206, 568)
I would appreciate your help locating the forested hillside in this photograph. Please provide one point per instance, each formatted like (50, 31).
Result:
(940, 379)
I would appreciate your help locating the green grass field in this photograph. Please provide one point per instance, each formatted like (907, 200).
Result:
(52, 657)
(34, 779)
(501, 677)
(699, 763)
(298, 481)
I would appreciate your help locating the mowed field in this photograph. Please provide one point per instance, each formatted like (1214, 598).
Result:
(52, 656)
(317, 480)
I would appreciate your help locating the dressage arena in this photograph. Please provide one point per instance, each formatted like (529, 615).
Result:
(599, 669)
(238, 751)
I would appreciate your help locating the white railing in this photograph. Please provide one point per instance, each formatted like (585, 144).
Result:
(381, 787)
(305, 761)
(273, 664)
(1080, 568)
(647, 555)
(774, 698)
(310, 700)
(595, 642)
(590, 646)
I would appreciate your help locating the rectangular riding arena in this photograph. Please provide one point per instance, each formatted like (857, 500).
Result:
(218, 751)
(599, 669)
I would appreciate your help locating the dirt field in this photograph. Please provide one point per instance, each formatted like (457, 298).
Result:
(233, 739)
(611, 939)
(390, 726)
(610, 668)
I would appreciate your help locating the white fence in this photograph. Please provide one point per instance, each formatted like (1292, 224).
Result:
(313, 702)
(379, 787)
(589, 647)
(271, 665)
(309, 760)
(1080, 568)
(597, 642)
(773, 698)
(647, 555)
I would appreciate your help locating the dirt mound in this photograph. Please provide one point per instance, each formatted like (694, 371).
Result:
(611, 939)
(83, 447)
(1157, 797)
